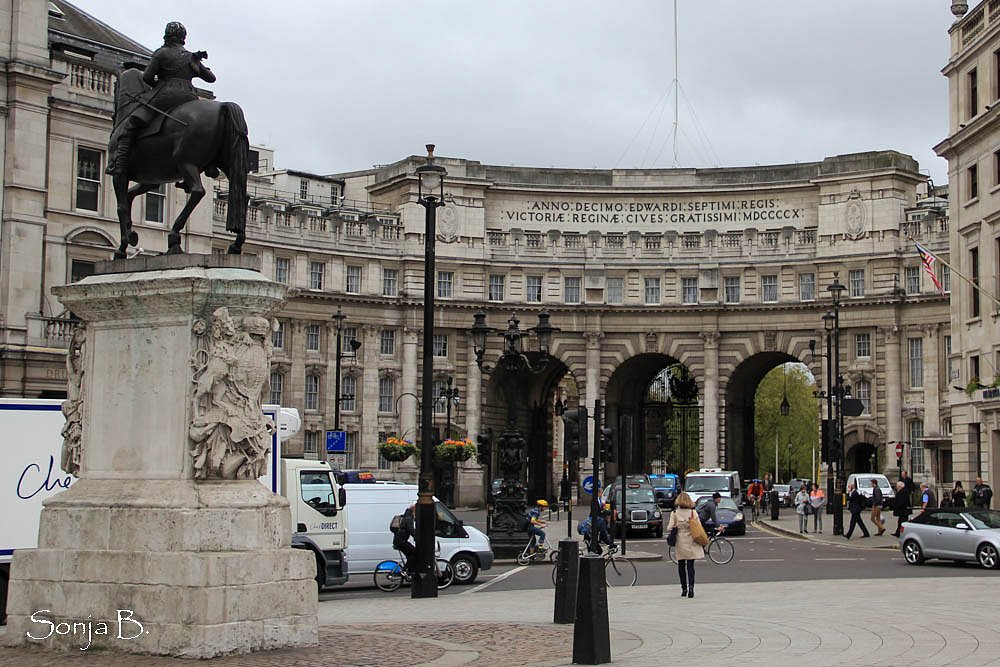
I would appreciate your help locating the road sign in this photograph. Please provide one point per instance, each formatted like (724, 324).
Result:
(588, 484)
(899, 450)
(336, 441)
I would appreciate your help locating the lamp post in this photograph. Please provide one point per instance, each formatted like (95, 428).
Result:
(789, 459)
(448, 396)
(510, 505)
(447, 490)
(430, 195)
(785, 409)
(354, 344)
(835, 384)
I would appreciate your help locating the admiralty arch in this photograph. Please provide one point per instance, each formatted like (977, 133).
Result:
(723, 271)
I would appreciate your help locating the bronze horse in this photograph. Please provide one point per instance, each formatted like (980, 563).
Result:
(201, 136)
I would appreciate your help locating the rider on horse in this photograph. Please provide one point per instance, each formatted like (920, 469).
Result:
(169, 72)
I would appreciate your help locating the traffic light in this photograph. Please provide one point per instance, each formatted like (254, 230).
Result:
(608, 445)
(836, 449)
(575, 433)
(484, 442)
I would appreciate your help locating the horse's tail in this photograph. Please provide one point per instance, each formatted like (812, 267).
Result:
(236, 157)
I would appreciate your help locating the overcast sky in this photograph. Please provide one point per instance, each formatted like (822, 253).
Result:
(337, 86)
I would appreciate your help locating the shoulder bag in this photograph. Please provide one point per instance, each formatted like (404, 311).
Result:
(698, 533)
(672, 537)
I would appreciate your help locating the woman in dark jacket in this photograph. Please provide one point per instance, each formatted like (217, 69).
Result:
(901, 507)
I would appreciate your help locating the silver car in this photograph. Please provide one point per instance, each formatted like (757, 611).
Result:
(953, 533)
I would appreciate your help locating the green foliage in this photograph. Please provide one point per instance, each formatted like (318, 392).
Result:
(800, 427)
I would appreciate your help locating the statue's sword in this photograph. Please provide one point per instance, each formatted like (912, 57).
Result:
(136, 98)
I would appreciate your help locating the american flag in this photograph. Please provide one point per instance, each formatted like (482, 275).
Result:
(927, 258)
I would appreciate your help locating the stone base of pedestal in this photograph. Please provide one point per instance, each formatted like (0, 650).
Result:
(165, 567)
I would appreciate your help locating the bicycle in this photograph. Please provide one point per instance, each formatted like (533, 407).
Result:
(755, 509)
(533, 551)
(719, 549)
(618, 570)
(391, 574)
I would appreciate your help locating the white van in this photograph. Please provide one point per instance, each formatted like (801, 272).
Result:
(708, 481)
(863, 482)
(369, 510)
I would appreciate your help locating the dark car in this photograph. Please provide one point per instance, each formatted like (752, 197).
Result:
(640, 503)
(665, 488)
(729, 515)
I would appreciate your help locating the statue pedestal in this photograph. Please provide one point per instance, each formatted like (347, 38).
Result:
(167, 544)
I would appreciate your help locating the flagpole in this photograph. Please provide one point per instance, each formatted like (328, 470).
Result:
(937, 258)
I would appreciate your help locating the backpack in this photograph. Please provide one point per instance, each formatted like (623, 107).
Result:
(523, 523)
(395, 524)
(584, 526)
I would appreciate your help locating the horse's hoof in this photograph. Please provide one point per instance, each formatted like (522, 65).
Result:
(120, 254)
(174, 250)
(133, 239)
(235, 249)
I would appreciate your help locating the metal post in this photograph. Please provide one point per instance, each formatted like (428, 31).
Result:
(624, 487)
(838, 500)
(830, 435)
(595, 495)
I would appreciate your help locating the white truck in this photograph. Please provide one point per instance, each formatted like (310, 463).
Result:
(31, 450)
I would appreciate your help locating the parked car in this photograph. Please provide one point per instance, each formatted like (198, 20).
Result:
(729, 515)
(784, 494)
(640, 503)
(665, 488)
(796, 483)
(953, 533)
(863, 482)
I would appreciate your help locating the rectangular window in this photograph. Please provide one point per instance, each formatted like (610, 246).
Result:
(496, 287)
(769, 288)
(310, 442)
(856, 278)
(80, 269)
(571, 289)
(303, 189)
(88, 178)
(387, 342)
(347, 334)
(946, 278)
(732, 284)
(912, 279)
(974, 275)
(616, 290)
(996, 168)
(348, 393)
(440, 345)
(689, 290)
(440, 400)
(974, 368)
(312, 337)
(390, 282)
(156, 201)
(386, 393)
(862, 345)
(316, 271)
(973, 180)
(312, 392)
(533, 289)
(973, 107)
(277, 384)
(916, 434)
(652, 290)
(445, 284)
(807, 286)
(353, 282)
(915, 352)
(863, 392)
(351, 455)
(278, 336)
(281, 267)
(949, 365)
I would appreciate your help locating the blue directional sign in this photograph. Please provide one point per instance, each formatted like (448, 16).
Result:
(588, 484)
(336, 441)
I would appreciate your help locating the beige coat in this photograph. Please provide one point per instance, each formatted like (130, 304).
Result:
(686, 548)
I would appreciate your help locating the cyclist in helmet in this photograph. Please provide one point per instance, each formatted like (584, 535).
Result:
(536, 523)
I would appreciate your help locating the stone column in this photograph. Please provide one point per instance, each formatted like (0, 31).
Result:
(165, 432)
(932, 390)
(893, 395)
(367, 454)
(408, 404)
(473, 392)
(592, 393)
(710, 410)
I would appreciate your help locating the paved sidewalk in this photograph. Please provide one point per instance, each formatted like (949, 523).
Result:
(788, 524)
(818, 623)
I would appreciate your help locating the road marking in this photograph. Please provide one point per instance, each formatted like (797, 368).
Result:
(762, 560)
(499, 577)
(838, 559)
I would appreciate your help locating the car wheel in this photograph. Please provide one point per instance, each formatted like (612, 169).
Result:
(466, 569)
(988, 556)
(912, 553)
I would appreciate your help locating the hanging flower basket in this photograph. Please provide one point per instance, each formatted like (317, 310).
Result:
(396, 449)
(455, 450)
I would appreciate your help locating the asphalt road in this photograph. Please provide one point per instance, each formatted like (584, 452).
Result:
(760, 557)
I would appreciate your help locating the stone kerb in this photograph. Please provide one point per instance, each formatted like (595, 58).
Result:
(167, 523)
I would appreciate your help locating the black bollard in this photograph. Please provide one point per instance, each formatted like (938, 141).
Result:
(774, 505)
(591, 631)
(567, 568)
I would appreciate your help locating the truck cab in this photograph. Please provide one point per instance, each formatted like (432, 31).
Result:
(317, 503)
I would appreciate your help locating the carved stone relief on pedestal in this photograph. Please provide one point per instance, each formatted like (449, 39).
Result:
(72, 407)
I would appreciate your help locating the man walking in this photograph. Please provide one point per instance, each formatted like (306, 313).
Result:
(855, 503)
(982, 494)
(927, 498)
(900, 507)
(876, 515)
(907, 481)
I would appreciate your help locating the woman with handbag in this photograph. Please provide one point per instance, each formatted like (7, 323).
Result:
(817, 500)
(687, 550)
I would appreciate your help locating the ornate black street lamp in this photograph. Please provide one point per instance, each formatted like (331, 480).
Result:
(447, 397)
(836, 391)
(354, 344)
(511, 445)
(430, 195)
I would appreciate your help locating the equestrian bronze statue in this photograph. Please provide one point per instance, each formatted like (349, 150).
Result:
(164, 133)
